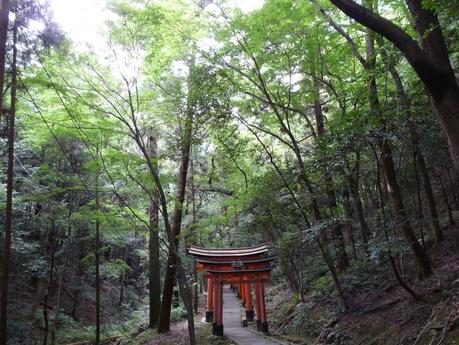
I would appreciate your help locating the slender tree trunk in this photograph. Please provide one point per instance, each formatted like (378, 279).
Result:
(52, 241)
(5, 10)
(364, 229)
(196, 235)
(9, 184)
(61, 284)
(333, 274)
(168, 229)
(416, 57)
(445, 195)
(79, 282)
(421, 164)
(418, 200)
(348, 212)
(452, 186)
(122, 279)
(321, 238)
(420, 256)
(286, 261)
(154, 279)
(381, 205)
(38, 287)
(337, 232)
(42, 284)
(76, 294)
(169, 280)
(172, 262)
(97, 255)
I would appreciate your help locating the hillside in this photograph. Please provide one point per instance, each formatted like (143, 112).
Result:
(226, 171)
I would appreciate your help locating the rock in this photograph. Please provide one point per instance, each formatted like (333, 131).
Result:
(331, 337)
(332, 323)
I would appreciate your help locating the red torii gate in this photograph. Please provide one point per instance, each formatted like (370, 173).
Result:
(240, 267)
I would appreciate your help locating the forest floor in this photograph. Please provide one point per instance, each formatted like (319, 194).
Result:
(381, 311)
(178, 334)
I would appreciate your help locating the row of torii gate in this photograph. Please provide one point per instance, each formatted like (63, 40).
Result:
(246, 269)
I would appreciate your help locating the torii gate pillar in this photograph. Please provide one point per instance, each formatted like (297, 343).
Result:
(262, 323)
(249, 313)
(210, 301)
(217, 325)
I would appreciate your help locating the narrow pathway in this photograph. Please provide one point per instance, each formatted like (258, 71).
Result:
(232, 323)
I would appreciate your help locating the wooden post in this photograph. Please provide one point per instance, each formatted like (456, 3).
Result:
(215, 303)
(257, 304)
(264, 322)
(220, 309)
(249, 314)
(242, 287)
(210, 301)
(217, 326)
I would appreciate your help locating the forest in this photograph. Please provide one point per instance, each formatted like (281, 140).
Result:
(326, 129)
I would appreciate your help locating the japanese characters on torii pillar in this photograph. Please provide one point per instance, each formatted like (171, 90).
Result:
(246, 269)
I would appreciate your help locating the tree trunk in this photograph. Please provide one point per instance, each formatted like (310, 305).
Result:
(349, 214)
(453, 186)
(97, 255)
(53, 249)
(61, 284)
(169, 280)
(5, 10)
(419, 255)
(196, 236)
(438, 232)
(418, 199)
(9, 187)
(39, 286)
(427, 186)
(341, 255)
(364, 229)
(445, 195)
(154, 279)
(286, 261)
(122, 279)
(76, 293)
(333, 274)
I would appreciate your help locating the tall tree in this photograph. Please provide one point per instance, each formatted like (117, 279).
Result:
(185, 151)
(97, 262)
(430, 60)
(9, 196)
(387, 163)
(4, 19)
(154, 278)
